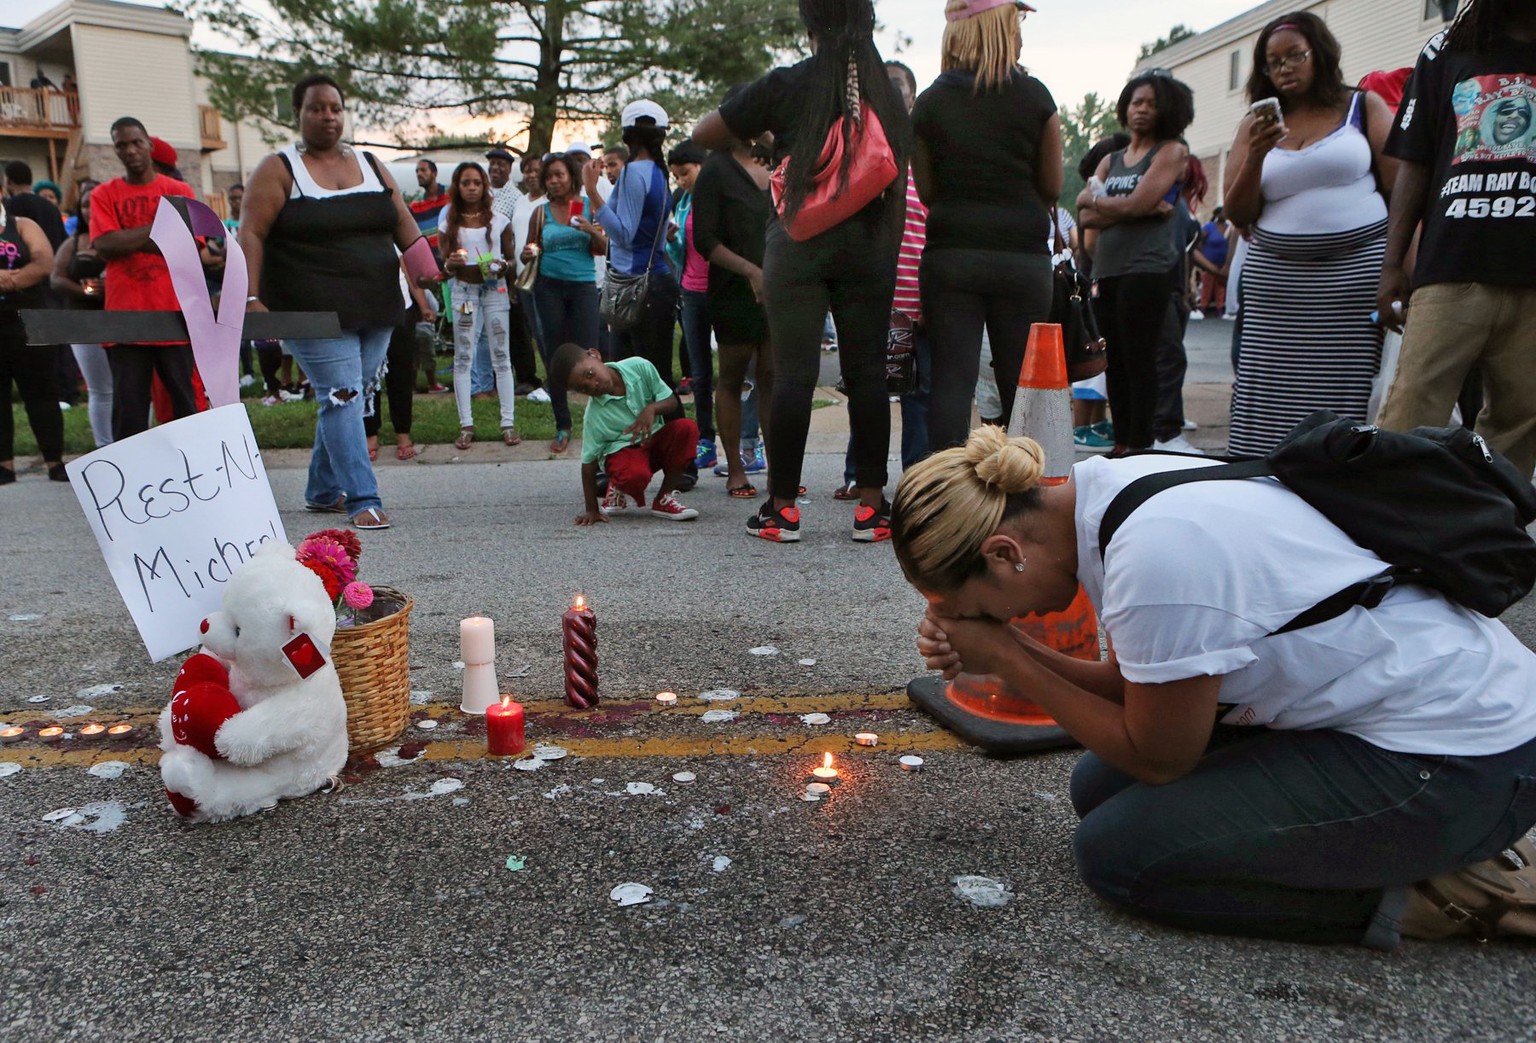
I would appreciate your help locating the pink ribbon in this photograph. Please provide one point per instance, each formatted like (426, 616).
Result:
(215, 339)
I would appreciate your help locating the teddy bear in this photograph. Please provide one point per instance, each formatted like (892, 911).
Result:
(257, 716)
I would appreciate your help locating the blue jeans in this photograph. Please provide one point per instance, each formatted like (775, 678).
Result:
(1311, 836)
(914, 409)
(484, 322)
(701, 368)
(345, 372)
(567, 311)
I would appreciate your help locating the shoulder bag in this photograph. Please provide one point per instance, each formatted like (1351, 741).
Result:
(871, 170)
(1071, 310)
(530, 273)
(623, 302)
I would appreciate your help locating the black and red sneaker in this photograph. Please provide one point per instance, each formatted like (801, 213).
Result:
(872, 524)
(780, 526)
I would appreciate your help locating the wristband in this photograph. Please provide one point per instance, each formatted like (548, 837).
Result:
(251, 298)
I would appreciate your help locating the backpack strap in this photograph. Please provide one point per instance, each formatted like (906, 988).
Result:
(1368, 592)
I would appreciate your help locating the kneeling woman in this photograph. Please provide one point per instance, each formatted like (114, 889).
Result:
(1366, 772)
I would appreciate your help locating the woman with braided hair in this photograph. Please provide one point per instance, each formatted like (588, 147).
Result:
(1365, 778)
(849, 268)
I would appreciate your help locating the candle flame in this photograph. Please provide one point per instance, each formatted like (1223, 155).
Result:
(826, 760)
(120, 729)
(579, 602)
(506, 701)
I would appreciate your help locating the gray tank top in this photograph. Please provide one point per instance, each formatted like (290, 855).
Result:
(1144, 246)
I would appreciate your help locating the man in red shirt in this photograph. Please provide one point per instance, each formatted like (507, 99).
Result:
(122, 211)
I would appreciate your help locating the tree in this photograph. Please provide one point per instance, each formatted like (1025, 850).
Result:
(541, 60)
(1081, 128)
(1177, 33)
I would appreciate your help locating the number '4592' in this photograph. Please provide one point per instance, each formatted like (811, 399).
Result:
(1500, 206)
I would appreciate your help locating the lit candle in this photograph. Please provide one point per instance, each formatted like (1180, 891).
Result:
(867, 739)
(52, 734)
(579, 631)
(504, 728)
(477, 647)
(12, 734)
(826, 771)
(93, 731)
(666, 698)
(117, 731)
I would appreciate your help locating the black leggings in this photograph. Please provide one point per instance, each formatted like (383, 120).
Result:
(133, 371)
(850, 269)
(399, 382)
(31, 368)
(652, 339)
(1130, 310)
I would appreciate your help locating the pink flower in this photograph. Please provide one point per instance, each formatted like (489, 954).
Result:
(357, 595)
(325, 553)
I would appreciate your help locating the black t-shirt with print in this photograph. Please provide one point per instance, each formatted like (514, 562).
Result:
(1470, 119)
(985, 150)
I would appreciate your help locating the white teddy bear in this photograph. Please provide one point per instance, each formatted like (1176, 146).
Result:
(258, 716)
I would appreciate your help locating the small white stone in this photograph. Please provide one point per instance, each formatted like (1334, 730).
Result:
(721, 863)
(684, 777)
(763, 650)
(807, 662)
(528, 764)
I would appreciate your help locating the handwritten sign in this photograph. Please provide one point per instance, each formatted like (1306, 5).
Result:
(176, 510)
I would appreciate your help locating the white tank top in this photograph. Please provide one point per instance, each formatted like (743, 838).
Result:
(1323, 188)
(304, 184)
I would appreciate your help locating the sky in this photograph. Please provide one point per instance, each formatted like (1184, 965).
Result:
(1073, 46)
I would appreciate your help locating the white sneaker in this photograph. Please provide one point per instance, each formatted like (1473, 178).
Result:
(538, 395)
(670, 507)
(1190, 425)
(1197, 315)
(614, 501)
(246, 380)
(1229, 317)
(1177, 444)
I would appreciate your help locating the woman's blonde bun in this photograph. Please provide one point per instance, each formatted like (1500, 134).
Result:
(1003, 464)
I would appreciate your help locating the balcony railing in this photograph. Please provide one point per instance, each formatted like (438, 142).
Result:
(208, 123)
(43, 110)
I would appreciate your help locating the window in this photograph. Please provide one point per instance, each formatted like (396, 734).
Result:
(5, 74)
(1235, 71)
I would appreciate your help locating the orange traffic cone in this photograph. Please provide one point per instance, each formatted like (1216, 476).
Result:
(983, 709)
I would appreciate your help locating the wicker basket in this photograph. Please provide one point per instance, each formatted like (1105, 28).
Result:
(373, 660)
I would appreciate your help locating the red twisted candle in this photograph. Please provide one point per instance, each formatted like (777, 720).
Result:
(579, 627)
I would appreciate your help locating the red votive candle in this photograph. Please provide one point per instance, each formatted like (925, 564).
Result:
(504, 728)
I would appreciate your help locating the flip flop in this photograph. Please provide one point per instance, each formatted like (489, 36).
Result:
(744, 491)
(373, 452)
(339, 507)
(405, 452)
(466, 436)
(370, 518)
(561, 443)
(509, 436)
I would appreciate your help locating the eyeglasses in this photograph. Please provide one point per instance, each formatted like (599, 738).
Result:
(1294, 60)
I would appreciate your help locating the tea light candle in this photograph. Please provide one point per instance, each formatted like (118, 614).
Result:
(93, 731)
(504, 728)
(51, 734)
(826, 771)
(867, 739)
(8, 735)
(911, 762)
(117, 731)
(666, 698)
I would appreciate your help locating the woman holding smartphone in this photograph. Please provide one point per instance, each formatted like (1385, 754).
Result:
(1308, 179)
(565, 239)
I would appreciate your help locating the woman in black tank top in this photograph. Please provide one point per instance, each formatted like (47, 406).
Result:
(25, 260)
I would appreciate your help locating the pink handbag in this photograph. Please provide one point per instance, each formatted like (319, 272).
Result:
(871, 172)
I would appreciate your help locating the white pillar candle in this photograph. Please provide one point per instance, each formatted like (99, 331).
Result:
(477, 640)
(477, 646)
(480, 690)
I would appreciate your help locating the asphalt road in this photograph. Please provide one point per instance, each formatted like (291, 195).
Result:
(389, 912)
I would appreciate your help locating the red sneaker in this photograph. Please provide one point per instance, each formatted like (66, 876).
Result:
(780, 526)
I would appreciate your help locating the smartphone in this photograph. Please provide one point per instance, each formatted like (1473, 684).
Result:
(1266, 109)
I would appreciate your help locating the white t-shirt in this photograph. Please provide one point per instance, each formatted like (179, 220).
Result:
(1199, 576)
(522, 214)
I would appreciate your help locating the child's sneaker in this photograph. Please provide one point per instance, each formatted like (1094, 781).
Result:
(1105, 429)
(670, 507)
(614, 500)
(872, 524)
(707, 455)
(780, 526)
(756, 463)
(1085, 437)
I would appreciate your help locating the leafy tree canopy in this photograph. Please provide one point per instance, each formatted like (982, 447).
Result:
(1177, 33)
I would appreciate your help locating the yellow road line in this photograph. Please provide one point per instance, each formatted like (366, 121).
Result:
(597, 749)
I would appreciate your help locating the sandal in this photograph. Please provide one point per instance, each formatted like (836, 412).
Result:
(846, 492)
(561, 443)
(1496, 896)
(339, 507)
(466, 436)
(405, 452)
(370, 518)
(744, 491)
(509, 436)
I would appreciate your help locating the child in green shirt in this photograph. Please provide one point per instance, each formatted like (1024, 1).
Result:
(634, 427)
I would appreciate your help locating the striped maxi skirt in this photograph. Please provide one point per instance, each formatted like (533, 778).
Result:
(1307, 341)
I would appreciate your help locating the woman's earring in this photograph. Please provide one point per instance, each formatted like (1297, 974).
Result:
(1018, 566)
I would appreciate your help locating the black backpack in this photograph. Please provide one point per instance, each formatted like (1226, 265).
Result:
(1436, 504)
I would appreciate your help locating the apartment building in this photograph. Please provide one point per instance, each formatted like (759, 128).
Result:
(121, 60)
(1373, 34)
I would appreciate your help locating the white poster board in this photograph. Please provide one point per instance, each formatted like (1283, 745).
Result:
(176, 510)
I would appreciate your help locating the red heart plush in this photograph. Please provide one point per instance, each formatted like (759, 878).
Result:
(197, 711)
(201, 667)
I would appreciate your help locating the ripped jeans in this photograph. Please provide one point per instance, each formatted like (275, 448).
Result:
(344, 371)
(478, 307)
